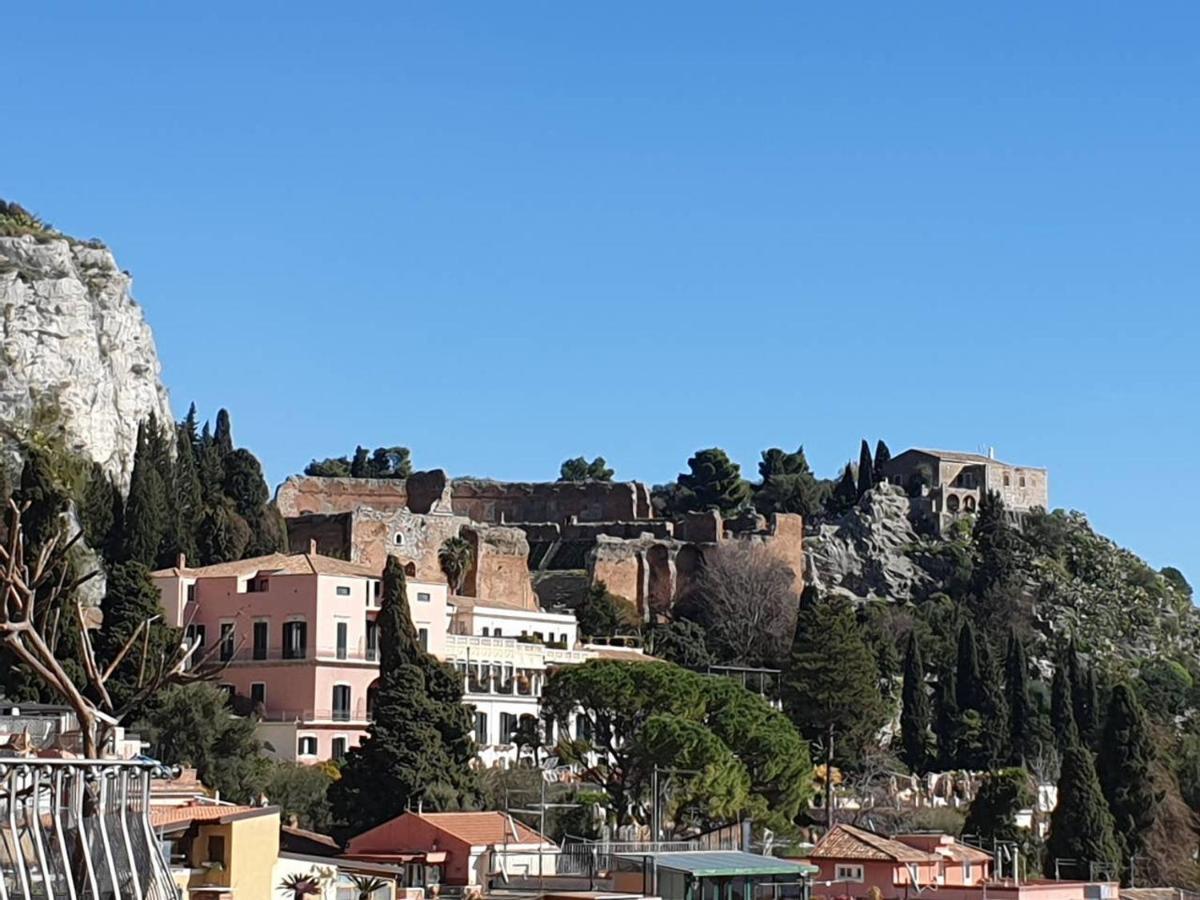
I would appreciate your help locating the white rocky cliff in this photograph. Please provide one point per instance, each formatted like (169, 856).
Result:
(75, 349)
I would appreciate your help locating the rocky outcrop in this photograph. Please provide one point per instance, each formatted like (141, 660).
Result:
(76, 353)
(868, 553)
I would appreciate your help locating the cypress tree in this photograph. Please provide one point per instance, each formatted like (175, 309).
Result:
(246, 487)
(223, 434)
(419, 747)
(947, 724)
(1021, 714)
(882, 456)
(914, 713)
(130, 599)
(211, 469)
(1126, 764)
(866, 476)
(714, 482)
(146, 508)
(968, 673)
(187, 495)
(97, 512)
(832, 686)
(1062, 709)
(845, 493)
(1081, 826)
(1084, 695)
(360, 467)
(223, 535)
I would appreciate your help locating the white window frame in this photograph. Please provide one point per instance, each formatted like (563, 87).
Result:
(849, 873)
(343, 590)
(302, 739)
(424, 597)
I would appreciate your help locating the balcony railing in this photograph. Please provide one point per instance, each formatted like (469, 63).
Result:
(79, 829)
(300, 654)
(357, 714)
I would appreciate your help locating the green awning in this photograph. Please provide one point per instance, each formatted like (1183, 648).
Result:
(720, 863)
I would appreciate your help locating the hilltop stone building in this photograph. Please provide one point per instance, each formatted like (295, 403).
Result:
(549, 540)
(945, 485)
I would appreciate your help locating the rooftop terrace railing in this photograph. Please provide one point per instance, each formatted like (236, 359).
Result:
(75, 829)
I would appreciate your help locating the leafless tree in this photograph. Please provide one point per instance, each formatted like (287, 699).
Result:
(743, 595)
(31, 585)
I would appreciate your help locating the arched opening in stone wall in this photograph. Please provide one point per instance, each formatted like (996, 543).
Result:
(969, 504)
(952, 503)
(688, 562)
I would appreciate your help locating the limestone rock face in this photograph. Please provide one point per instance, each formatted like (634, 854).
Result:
(866, 554)
(75, 347)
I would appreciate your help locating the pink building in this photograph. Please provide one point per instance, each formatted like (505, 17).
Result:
(852, 861)
(298, 633)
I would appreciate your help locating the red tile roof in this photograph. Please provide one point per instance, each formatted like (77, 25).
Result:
(168, 816)
(478, 828)
(278, 564)
(848, 842)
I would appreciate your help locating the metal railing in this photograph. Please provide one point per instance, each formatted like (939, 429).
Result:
(79, 830)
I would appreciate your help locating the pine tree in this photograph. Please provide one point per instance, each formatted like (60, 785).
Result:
(1081, 827)
(1126, 764)
(866, 470)
(146, 508)
(579, 469)
(1021, 713)
(914, 714)
(223, 434)
(832, 687)
(788, 484)
(715, 482)
(882, 456)
(419, 747)
(247, 488)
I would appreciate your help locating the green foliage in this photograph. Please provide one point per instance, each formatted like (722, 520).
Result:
(1081, 827)
(915, 709)
(832, 687)
(383, 462)
(866, 469)
(787, 484)
(187, 498)
(146, 508)
(130, 599)
(418, 749)
(638, 715)
(579, 469)
(714, 482)
(682, 642)
(1164, 688)
(456, 557)
(844, 495)
(223, 535)
(99, 510)
(992, 814)
(980, 702)
(1175, 579)
(1126, 764)
(1062, 708)
(601, 614)
(1022, 715)
(223, 434)
(16, 221)
(301, 791)
(247, 488)
(882, 456)
(193, 726)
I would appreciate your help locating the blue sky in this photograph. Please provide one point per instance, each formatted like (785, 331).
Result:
(507, 233)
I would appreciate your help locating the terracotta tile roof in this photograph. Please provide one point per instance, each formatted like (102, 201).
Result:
(964, 852)
(477, 828)
(166, 816)
(848, 842)
(277, 563)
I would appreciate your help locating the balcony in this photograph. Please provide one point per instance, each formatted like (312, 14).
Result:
(79, 828)
(355, 715)
(251, 655)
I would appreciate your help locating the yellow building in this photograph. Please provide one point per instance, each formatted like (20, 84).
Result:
(218, 851)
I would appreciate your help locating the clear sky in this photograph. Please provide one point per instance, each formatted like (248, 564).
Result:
(507, 233)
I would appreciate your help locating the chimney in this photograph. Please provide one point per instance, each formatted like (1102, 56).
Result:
(181, 561)
(991, 452)
(312, 546)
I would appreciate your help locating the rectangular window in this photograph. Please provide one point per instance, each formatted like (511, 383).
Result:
(481, 732)
(1007, 479)
(216, 849)
(306, 746)
(258, 693)
(372, 640)
(548, 729)
(338, 748)
(848, 873)
(485, 631)
(967, 872)
(508, 724)
(1022, 481)
(295, 640)
(496, 632)
(343, 639)
(422, 597)
(343, 591)
(191, 592)
(227, 637)
(196, 634)
(341, 703)
(261, 638)
(423, 637)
